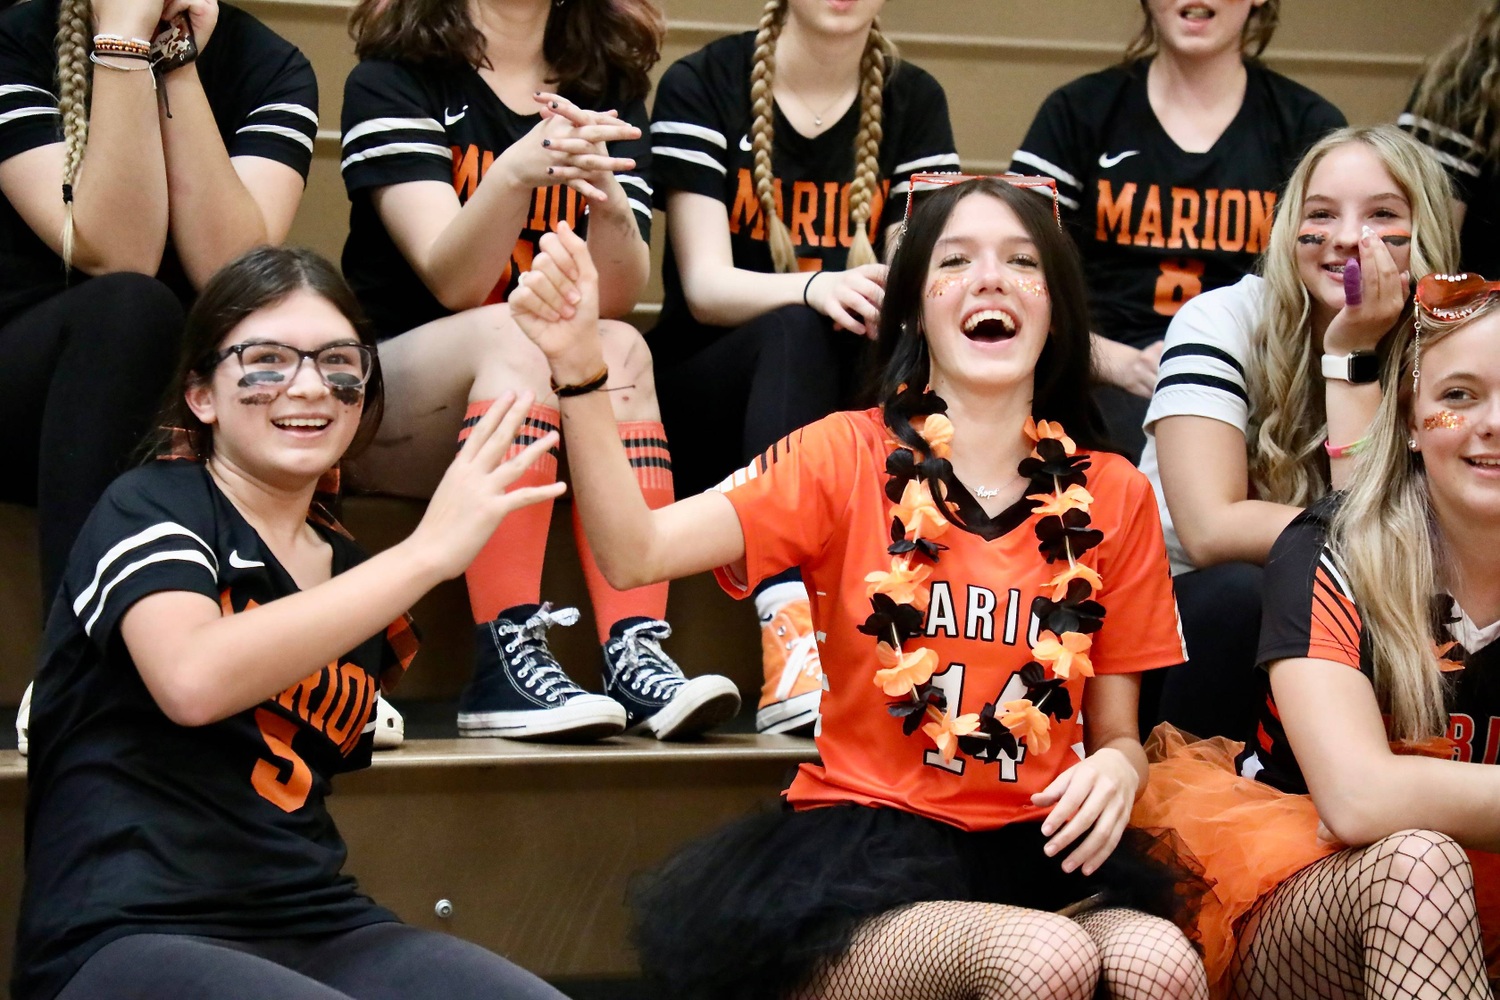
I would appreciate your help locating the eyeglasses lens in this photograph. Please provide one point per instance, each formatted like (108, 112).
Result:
(341, 366)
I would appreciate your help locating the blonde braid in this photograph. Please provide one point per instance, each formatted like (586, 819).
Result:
(73, 77)
(763, 129)
(867, 145)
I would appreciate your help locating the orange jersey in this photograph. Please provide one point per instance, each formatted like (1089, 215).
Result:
(816, 500)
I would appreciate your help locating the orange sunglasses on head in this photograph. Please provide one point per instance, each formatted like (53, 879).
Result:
(921, 183)
(1450, 297)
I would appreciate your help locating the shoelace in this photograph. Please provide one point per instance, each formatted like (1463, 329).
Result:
(799, 654)
(644, 666)
(539, 670)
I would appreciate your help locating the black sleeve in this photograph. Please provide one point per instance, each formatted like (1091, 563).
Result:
(689, 142)
(1460, 155)
(637, 187)
(147, 534)
(1054, 147)
(925, 134)
(391, 133)
(1308, 608)
(283, 122)
(28, 104)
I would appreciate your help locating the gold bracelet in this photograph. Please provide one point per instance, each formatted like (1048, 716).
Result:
(582, 388)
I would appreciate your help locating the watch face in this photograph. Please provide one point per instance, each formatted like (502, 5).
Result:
(1364, 366)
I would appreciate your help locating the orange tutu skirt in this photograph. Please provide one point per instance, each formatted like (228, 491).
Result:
(1249, 837)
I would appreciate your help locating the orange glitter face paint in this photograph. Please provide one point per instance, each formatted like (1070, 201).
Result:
(1033, 287)
(946, 283)
(1445, 419)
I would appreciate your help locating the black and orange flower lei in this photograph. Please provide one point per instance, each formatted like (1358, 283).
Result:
(1067, 611)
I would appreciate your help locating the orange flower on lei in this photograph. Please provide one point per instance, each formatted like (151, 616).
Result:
(937, 430)
(1064, 654)
(1075, 571)
(1072, 498)
(1444, 664)
(1025, 722)
(918, 512)
(901, 672)
(946, 730)
(1037, 430)
(905, 583)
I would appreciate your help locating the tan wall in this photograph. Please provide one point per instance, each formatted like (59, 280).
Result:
(997, 59)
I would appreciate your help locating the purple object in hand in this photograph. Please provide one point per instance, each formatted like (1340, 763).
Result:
(1353, 290)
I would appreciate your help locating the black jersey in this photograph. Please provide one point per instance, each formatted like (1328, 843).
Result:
(135, 824)
(1310, 611)
(1476, 183)
(1157, 225)
(261, 89)
(402, 123)
(700, 135)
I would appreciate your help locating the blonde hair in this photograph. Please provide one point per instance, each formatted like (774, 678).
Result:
(1288, 424)
(1394, 556)
(74, 20)
(1460, 88)
(878, 59)
(1259, 28)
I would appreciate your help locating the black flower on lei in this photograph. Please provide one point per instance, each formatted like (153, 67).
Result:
(1055, 464)
(1076, 612)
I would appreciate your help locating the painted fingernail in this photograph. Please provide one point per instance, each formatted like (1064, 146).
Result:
(552, 104)
(1366, 234)
(546, 142)
(549, 170)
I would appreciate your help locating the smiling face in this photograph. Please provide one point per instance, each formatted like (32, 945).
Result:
(1348, 190)
(1455, 421)
(1197, 28)
(285, 435)
(986, 310)
(835, 17)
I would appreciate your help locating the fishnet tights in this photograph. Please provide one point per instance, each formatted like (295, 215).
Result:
(986, 951)
(1393, 920)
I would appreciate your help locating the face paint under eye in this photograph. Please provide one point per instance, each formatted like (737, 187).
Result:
(1446, 419)
(1396, 238)
(1312, 237)
(258, 399)
(1032, 286)
(347, 395)
(946, 283)
(250, 379)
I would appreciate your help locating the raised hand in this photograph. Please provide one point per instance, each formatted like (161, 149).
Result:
(1383, 293)
(203, 17)
(850, 298)
(557, 305)
(471, 500)
(568, 146)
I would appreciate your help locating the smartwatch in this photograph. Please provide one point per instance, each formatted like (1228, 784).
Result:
(1356, 368)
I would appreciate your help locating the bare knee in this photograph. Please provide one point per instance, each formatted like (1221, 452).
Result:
(632, 382)
(1047, 957)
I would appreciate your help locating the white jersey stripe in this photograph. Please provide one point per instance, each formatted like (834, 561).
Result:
(688, 128)
(175, 555)
(639, 206)
(11, 116)
(374, 125)
(151, 534)
(634, 181)
(690, 155)
(295, 109)
(22, 88)
(395, 149)
(1453, 162)
(281, 130)
(1408, 120)
(927, 162)
(1046, 167)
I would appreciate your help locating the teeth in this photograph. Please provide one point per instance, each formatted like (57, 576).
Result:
(1488, 463)
(302, 422)
(989, 314)
(1197, 13)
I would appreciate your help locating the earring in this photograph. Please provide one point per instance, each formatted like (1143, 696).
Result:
(1416, 360)
(1411, 443)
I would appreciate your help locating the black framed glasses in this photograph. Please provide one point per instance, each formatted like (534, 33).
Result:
(263, 363)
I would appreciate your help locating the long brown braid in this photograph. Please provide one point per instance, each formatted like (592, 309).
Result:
(878, 56)
(73, 79)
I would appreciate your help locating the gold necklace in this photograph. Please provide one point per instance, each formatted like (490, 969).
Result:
(818, 117)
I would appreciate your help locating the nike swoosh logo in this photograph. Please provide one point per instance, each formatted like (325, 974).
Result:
(449, 119)
(238, 563)
(1106, 161)
(745, 142)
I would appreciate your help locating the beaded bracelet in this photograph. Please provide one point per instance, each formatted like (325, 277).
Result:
(120, 45)
(1345, 450)
(582, 388)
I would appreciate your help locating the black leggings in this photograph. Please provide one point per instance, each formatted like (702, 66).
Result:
(734, 397)
(387, 961)
(83, 375)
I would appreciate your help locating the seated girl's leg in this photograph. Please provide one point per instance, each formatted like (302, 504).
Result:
(1393, 920)
(394, 961)
(1145, 957)
(963, 951)
(152, 966)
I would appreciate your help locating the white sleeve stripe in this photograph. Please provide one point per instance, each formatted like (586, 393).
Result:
(939, 160)
(11, 116)
(1411, 121)
(901, 188)
(1453, 162)
(176, 555)
(22, 88)
(639, 206)
(1046, 167)
(1326, 557)
(151, 534)
(374, 125)
(1064, 200)
(690, 155)
(281, 130)
(294, 109)
(688, 128)
(634, 181)
(395, 149)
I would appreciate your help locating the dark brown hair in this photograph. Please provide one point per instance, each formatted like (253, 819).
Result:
(259, 279)
(601, 50)
(1259, 28)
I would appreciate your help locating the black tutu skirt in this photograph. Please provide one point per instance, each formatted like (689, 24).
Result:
(752, 911)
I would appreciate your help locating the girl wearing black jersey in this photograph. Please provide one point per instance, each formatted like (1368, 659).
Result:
(1170, 165)
(99, 179)
(1381, 700)
(782, 157)
(469, 130)
(213, 660)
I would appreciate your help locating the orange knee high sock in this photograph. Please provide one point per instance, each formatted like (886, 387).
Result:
(508, 570)
(646, 445)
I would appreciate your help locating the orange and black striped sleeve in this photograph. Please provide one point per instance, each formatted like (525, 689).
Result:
(1309, 609)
